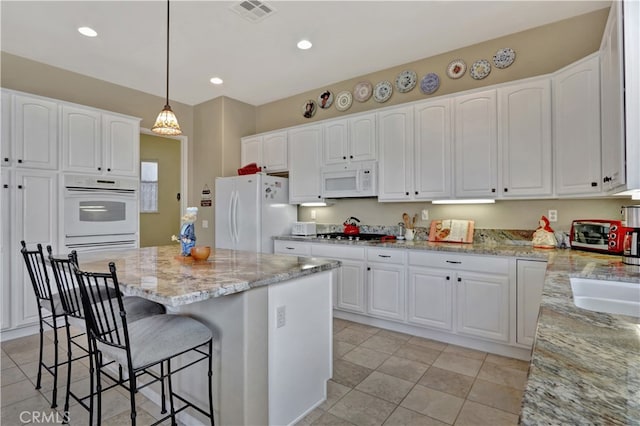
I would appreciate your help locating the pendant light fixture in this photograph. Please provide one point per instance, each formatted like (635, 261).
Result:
(167, 123)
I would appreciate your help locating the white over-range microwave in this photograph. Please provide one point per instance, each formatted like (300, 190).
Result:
(358, 179)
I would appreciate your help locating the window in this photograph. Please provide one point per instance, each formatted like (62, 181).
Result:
(148, 187)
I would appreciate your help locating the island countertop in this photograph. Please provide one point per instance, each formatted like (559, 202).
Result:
(161, 274)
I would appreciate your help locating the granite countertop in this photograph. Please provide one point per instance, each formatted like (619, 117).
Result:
(161, 274)
(585, 366)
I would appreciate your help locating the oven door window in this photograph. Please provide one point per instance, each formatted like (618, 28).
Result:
(102, 211)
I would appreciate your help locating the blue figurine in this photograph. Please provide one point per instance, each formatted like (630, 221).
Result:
(187, 231)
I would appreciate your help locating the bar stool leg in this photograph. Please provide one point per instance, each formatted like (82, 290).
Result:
(173, 410)
(91, 382)
(210, 374)
(132, 395)
(69, 358)
(99, 385)
(54, 397)
(39, 380)
(162, 391)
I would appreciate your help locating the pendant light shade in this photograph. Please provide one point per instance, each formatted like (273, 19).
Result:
(167, 123)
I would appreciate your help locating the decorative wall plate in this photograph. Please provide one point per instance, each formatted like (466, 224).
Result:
(504, 57)
(309, 108)
(363, 91)
(343, 101)
(480, 69)
(430, 83)
(406, 81)
(456, 68)
(325, 99)
(383, 91)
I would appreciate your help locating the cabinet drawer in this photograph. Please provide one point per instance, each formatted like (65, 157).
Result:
(385, 255)
(492, 264)
(334, 251)
(292, 247)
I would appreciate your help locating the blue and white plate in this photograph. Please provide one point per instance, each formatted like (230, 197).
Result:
(383, 91)
(504, 57)
(430, 83)
(406, 81)
(480, 69)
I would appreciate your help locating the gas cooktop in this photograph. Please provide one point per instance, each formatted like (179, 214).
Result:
(352, 237)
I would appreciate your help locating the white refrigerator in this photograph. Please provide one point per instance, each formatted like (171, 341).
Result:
(250, 209)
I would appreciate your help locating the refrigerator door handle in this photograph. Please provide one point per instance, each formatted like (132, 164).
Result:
(230, 216)
(235, 217)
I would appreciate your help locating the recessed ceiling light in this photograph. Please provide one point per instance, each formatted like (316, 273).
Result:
(216, 80)
(304, 44)
(86, 31)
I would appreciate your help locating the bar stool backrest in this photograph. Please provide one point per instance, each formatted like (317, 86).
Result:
(105, 316)
(34, 261)
(65, 279)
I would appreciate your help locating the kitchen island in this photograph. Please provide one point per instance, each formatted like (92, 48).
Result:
(270, 316)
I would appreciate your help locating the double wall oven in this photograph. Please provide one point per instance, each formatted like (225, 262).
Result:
(100, 213)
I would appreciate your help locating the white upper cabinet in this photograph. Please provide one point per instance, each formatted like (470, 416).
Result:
(432, 150)
(5, 129)
(476, 145)
(612, 98)
(99, 143)
(34, 132)
(305, 147)
(350, 139)
(576, 128)
(524, 138)
(395, 139)
(269, 151)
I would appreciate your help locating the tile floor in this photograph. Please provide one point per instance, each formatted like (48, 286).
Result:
(379, 377)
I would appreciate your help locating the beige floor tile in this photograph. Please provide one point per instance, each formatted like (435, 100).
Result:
(364, 328)
(516, 364)
(458, 364)
(439, 405)
(17, 392)
(23, 344)
(335, 391)
(78, 372)
(362, 409)
(427, 343)
(447, 381)
(340, 324)
(349, 374)
(403, 368)
(384, 386)
(341, 348)
(394, 335)
(496, 396)
(11, 375)
(311, 417)
(403, 417)
(31, 355)
(124, 419)
(6, 362)
(503, 375)
(417, 353)
(474, 414)
(351, 335)
(466, 352)
(13, 414)
(366, 357)
(383, 343)
(328, 419)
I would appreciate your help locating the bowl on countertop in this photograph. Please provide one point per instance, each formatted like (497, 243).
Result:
(200, 252)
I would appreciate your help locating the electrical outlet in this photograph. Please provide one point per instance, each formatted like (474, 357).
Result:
(313, 215)
(425, 214)
(205, 224)
(553, 216)
(281, 319)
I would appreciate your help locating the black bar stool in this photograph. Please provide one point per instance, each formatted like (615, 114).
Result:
(141, 345)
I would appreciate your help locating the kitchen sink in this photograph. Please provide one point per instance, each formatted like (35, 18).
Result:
(613, 297)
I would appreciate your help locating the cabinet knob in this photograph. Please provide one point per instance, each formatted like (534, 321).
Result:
(594, 183)
(493, 190)
(351, 156)
(459, 279)
(5, 186)
(19, 186)
(607, 179)
(264, 167)
(407, 193)
(19, 161)
(368, 268)
(319, 196)
(506, 190)
(344, 157)
(448, 278)
(416, 192)
(109, 169)
(99, 168)
(6, 159)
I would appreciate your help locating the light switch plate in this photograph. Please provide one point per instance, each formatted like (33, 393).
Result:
(425, 214)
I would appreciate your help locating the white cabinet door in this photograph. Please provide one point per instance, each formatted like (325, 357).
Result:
(81, 140)
(35, 133)
(476, 145)
(432, 152)
(305, 150)
(362, 138)
(530, 281)
(251, 150)
(350, 286)
(482, 305)
(274, 152)
(525, 139)
(576, 128)
(612, 107)
(5, 129)
(336, 142)
(385, 290)
(35, 218)
(431, 297)
(6, 250)
(395, 138)
(121, 141)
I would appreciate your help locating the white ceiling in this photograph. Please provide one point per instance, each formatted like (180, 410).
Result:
(258, 61)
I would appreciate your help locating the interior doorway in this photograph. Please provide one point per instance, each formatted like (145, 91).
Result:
(161, 204)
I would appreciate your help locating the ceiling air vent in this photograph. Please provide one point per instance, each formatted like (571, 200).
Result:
(253, 10)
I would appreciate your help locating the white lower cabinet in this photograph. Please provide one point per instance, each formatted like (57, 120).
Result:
(6, 251)
(530, 281)
(386, 283)
(430, 297)
(350, 287)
